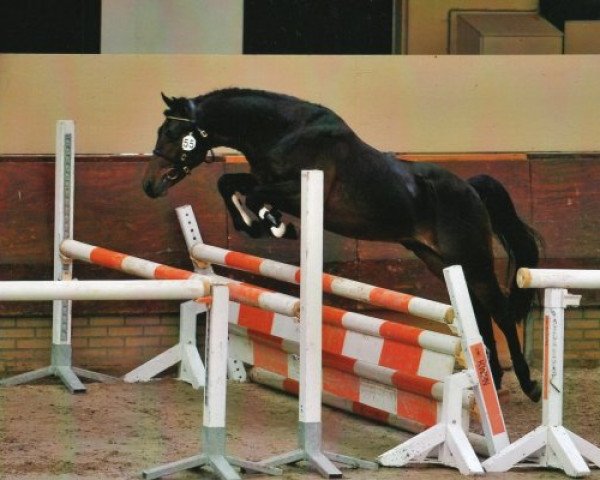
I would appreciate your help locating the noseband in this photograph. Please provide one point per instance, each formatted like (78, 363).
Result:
(188, 144)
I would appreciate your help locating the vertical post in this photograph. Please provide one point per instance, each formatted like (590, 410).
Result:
(554, 316)
(486, 396)
(311, 296)
(311, 375)
(214, 435)
(61, 361)
(63, 229)
(215, 390)
(192, 235)
(554, 445)
(64, 189)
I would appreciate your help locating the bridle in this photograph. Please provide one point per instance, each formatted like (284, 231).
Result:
(188, 145)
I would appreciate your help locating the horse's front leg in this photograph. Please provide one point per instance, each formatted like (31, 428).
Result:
(262, 202)
(230, 186)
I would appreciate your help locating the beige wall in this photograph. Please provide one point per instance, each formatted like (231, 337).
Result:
(400, 103)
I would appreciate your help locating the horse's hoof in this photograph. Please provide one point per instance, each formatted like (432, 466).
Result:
(278, 232)
(535, 392)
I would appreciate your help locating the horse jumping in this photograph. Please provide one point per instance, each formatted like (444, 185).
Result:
(368, 195)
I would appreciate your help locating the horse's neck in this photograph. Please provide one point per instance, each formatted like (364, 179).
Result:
(243, 124)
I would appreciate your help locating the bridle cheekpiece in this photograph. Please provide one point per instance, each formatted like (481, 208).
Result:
(188, 144)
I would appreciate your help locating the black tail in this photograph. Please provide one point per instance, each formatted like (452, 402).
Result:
(520, 241)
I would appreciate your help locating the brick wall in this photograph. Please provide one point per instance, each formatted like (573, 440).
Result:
(116, 344)
(111, 344)
(582, 337)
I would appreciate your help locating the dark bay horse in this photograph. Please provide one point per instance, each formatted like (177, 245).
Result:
(369, 195)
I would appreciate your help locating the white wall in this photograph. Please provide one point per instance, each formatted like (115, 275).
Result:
(172, 26)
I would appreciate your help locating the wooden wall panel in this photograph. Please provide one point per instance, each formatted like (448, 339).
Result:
(111, 210)
(557, 194)
(566, 202)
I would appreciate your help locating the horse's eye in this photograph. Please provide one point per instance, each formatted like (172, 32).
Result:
(172, 132)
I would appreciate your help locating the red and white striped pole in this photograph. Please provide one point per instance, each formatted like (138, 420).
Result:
(344, 287)
(240, 292)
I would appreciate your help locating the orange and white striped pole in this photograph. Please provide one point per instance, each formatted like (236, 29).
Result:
(344, 287)
(239, 291)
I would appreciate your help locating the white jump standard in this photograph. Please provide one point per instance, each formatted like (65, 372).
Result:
(446, 442)
(215, 392)
(61, 350)
(552, 445)
(191, 234)
(311, 305)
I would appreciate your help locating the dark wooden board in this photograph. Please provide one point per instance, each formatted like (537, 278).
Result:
(559, 195)
(566, 205)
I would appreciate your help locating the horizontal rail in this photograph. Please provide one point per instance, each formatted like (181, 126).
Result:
(419, 385)
(239, 292)
(428, 157)
(558, 278)
(463, 157)
(397, 332)
(363, 292)
(262, 298)
(103, 290)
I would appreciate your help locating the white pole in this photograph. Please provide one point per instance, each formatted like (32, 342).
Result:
(311, 306)
(215, 391)
(103, 290)
(555, 278)
(554, 332)
(492, 420)
(311, 296)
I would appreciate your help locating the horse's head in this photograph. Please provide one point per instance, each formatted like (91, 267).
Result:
(181, 146)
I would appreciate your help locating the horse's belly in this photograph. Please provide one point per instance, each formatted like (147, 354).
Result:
(362, 228)
(367, 216)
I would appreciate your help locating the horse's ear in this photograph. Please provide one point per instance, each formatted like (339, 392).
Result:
(167, 100)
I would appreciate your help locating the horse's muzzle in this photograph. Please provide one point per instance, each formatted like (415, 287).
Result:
(148, 186)
(155, 182)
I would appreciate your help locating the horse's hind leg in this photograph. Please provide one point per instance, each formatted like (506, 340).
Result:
(530, 387)
(495, 301)
(463, 236)
(484, 320)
